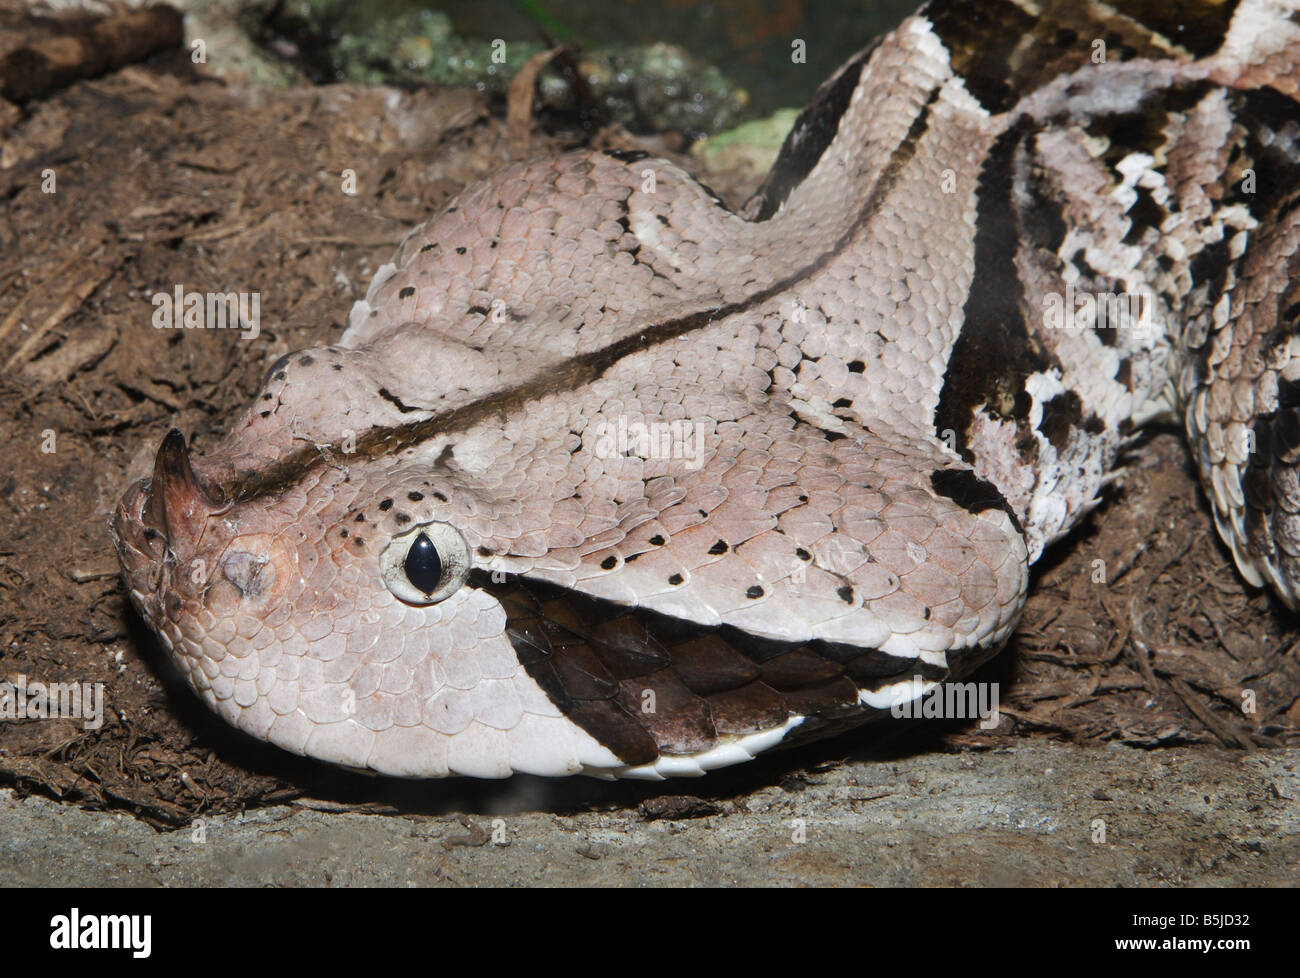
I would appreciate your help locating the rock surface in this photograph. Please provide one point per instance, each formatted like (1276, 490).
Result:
(1023, 817)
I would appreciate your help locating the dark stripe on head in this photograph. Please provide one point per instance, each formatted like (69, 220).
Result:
(580, 370)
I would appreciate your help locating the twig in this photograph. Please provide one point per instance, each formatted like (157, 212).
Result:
(1229, 737)
(82, 48)
(83, 576)
(11, 320)
(65, 309)
(519, 102)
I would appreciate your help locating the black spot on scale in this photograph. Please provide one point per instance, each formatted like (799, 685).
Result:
(1284, 439)
(361, 517)
(802, 554)
(415, 496)
(407, 292)
(1080, 261)
(429, 247)
(276, 370)
(1044, 220)
(609, 563)
(856, 366)
(845, 594)
(754, 591)
(657, 540)
(402, 518)
(306, 360)
(972, 493)
(626, 155)
(676, 579)
(478, 310)
(440, 497)
(386, 505)
(1288, 394)
(1124, 373)
(718, 548)
(1211, 266)
(394, 400)
(1061, 413)
(460, 251)
(1106, 331)
(1144, 215)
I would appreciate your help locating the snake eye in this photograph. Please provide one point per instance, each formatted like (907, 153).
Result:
(426, 564)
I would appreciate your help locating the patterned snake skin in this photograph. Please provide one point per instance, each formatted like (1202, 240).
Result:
(605, 478)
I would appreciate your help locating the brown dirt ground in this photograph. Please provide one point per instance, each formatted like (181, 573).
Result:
(165, 177)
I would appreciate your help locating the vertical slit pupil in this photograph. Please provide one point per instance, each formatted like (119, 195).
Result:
(423, 566)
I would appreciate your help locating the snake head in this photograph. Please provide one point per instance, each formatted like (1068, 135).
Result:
(340, 622)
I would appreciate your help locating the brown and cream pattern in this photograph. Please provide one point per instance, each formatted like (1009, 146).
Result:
(422, 552)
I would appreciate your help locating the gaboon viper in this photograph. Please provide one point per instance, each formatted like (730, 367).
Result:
(606, 478)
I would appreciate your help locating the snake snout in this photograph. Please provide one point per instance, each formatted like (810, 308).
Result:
(161, 520)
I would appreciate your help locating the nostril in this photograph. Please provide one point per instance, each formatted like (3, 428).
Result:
(132, 528)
